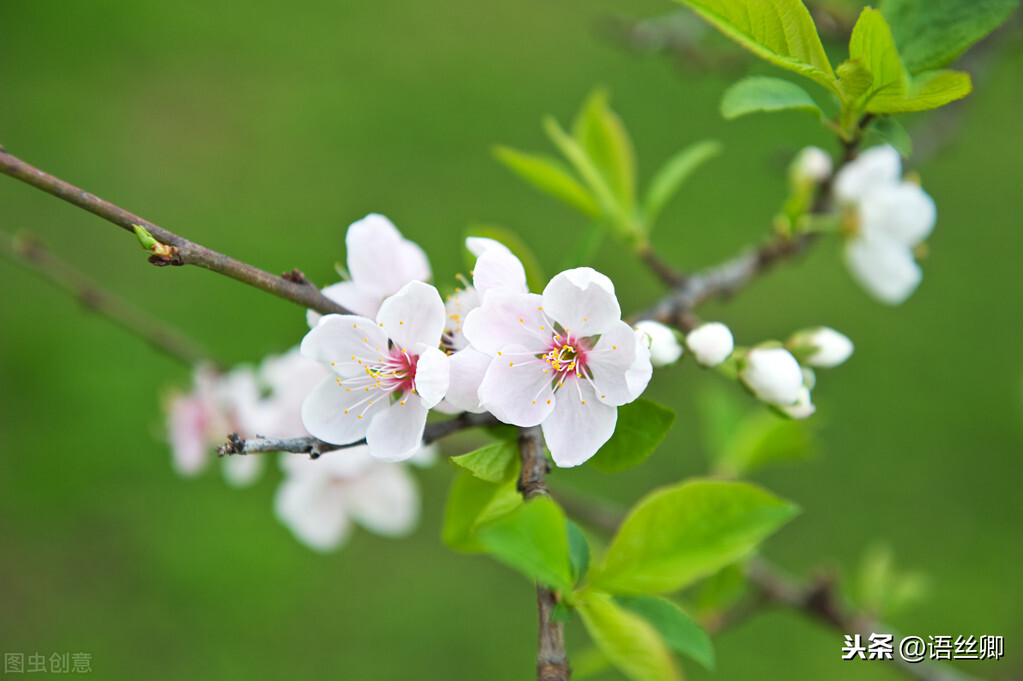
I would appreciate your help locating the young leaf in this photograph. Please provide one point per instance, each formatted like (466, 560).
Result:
(493, 463)
(760, 93)
(673, 174)
(578, 551)
(853, 78)
(534, 273)
(931, 34)
(628, 641)
(677, 534)
(472, 502)
(780, 31)
(548, 175)
(584, 165)
(680, 632)
(762, 439)
(602, 135)
(927, 91)
(533, 540)
(890, 131)
(641, 427)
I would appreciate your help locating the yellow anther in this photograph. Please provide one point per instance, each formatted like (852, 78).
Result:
(521, 320)
(584, 401)
(400, 323)
(511, 364)
(346, 411)
(548, 401)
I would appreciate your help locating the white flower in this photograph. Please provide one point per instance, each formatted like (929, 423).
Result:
(711, 343)
(563, 359)
(380, 262)
(821, 347)
(496, 268)
(812, 165)
(386, 373)
(773, 375)
(803, 407)
(661, 341)
(319, 499)
(892, 217)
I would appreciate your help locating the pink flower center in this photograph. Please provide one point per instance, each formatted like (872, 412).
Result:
(391, 375)
(567, 356)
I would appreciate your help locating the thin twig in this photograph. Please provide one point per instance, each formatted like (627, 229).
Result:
(184, 252)
(33, 255)
(551, 658)
(315, 448)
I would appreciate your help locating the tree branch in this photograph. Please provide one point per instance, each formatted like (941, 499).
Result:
(551, 658)
(315, 448)
(33, 255)
(295, 289)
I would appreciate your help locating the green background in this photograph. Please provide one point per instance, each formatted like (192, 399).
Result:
(262, 130)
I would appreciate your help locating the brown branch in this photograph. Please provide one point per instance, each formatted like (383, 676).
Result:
(551, 658)
(315, 448)
(33, 255)
(181, 251)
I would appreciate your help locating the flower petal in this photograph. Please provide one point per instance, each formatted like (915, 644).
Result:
(380, 259)
(313, 509)
(508, 317)
(350, 296)
(337, 338)
(497, 269)
(385, 501)
(885, 269)
(396, 432)
(875, 167)
(432, 375)
(579, 426)
(582, 301)
(478, 245)
(242, 471)
(413, 315)
(468, 367)
(516, 388)
(332, 413)
(902, 212)
(611, 361)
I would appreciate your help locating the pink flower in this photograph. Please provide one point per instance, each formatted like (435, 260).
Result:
(380, 262)
(386, 374)
(564, 359)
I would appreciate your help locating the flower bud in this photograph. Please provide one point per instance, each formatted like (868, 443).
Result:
(811, 166)
(773, 375)
(711, 344)
(821, 347)
(803, 408)
(660, 340)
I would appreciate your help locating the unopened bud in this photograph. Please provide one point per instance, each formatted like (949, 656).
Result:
(711, 344)
(773, 375)
(803, 408)
(811, 165)
(661, 341)
(821, 347)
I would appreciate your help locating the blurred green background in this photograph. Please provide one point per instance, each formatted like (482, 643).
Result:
(262, 130)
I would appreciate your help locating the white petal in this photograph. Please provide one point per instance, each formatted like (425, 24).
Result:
(337, 338)
(385, 501)
(456, 307)
(505, 318)
(242, 470)
(803, 408)
(661, 341)
(413, 315)
(501, 270)
(831, 348)
(812, 164)
(186, 425)
(885, 269)
(432, 375)
(902, 212)
(711, 343)
(579, 426)
(582, 300)
(873, 168)
(351, 297)
(515, 388)
(313, 509)
(478, 245)
(396, 432)
(773, 375)
(468, 367)
(380, 259)
(612, 364)
(332, 413)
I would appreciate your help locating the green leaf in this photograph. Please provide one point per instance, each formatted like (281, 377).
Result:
(927, 91)
(932, 34)
(602, 135)
(780, 31)
(493, 463)
(641, 427)
(472, 502)
(628, 641)
(760, 93)
(578, 551)
(533, 540)
(853, 78)
(722, 589)
(680, 632)
(673, 174)
(550, 176)
(890, 131)
(535, 276)
(763, 438)
(678, 534)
